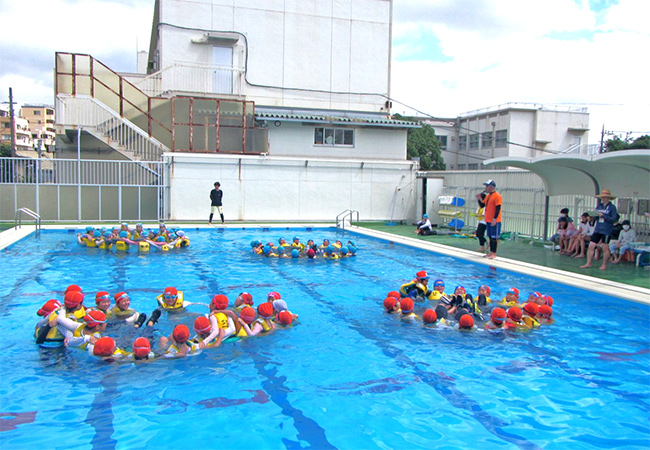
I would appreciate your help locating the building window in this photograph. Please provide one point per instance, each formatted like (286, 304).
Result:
(461, 166)
(486, 140)
(37, 112)
(334, 137)
(462, 143)
(473, 142)
(443, 142)
(472, 166)
(502, 138)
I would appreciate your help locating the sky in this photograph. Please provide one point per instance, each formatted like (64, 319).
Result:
(448, 56)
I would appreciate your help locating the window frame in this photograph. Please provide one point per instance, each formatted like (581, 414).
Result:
(340, 137)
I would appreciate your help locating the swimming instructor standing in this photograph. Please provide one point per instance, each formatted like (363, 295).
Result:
(215, 196)
(493, 202)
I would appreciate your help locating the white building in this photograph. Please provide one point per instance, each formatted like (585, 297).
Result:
(283, 102)
(514, 129)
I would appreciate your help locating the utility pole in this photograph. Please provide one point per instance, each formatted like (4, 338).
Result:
(13, 123)
(602, 138)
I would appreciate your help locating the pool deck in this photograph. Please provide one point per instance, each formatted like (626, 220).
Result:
(624, 280)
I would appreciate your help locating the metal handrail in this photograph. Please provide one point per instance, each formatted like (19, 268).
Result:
(18, 222)
(343, 215)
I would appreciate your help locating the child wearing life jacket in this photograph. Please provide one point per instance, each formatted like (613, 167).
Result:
(296, 244)
(513, 321)
(106, 349)
(178, 344)
(242, 300)
(88, 238)
(544, 317)
(406, 306)
(264, 323)
(438, 289)
(429, 317)
(46, 333)
(466, 322)
(417, 287)
(122, 311)
(245, 319)
(497, 319)
(511, 299)
(171, 300)
(483, 296)
(285, 318)
(530, 312)
(391, 305)
(142, 349)
(103, 304)
(81, 334)
(222, 322)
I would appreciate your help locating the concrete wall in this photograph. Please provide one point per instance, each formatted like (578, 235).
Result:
(328, 45)
(370, 143)
(291, 189)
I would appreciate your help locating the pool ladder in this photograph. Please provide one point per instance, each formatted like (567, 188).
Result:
(18, 221)
(347, 214)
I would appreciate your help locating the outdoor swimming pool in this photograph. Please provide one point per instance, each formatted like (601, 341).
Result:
(348, 376)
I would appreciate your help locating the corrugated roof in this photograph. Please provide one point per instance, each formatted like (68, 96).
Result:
(356, 118)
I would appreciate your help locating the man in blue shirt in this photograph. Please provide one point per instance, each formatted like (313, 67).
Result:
(607, 216)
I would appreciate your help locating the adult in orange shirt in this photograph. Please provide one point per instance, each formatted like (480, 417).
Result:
(493, 203)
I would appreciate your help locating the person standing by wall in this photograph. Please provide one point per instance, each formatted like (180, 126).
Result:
(493, 202)
(480, 217)
(216, 195)
(607, 216)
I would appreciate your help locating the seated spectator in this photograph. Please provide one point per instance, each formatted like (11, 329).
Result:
(584, 237)
(424, 227)
(625, 238)
(564, 213)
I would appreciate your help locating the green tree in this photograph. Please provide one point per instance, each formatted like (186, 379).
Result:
(616, 144)
(5, 150)
(422, 142)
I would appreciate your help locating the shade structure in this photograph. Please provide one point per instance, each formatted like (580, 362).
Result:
(625, 173)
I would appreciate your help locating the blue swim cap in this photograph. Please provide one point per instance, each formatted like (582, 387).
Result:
(296, 238)
(123, 234)
(161, 239)
(344, 250)
(89, 229)
(266, 249)
(330, 249)
(107, 234)
(102, 230)
(295, 253)
(138, 224)
(438, 282)
(426, 216)
(280, 249)
(353, 250)
(351, 244)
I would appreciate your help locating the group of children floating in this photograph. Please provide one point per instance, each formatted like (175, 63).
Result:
(122, 237)
(71, 324)
(297, 249)
(465, 312)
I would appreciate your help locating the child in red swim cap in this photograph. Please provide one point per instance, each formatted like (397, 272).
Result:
(406, 307)
(466, 322)
(530, 312)
(513, 321)
(497, 319)
(391, 305)
(544, 317)
(171, 300)
(178, 344)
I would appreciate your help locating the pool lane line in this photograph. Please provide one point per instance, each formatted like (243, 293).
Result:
(100, 416)
(441, 384)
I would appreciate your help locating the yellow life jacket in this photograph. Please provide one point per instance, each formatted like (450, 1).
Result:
(143, 246)
(89, 242)
(265, 326)
(222, 320)
(122, 314)
(176, 306)
(121, 246)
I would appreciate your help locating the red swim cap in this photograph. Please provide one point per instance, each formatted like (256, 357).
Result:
(546, 311)
(311, 253)
(73, 288)
(513, 291)
(515, 313)
(247, 314)
(429, 316)
(48, 307)
(202, 325)
(94, 318)
(466, 321)
(181, 333)
(275, 295)
(406, 305)
(120, 296)
(394, 294)
(247, 298)
(486, 288)
(104, 346)
(549, 300)
(389, 303)
(498, 314)
(141, 347)
(422, 274)
(102, 295)
(73, 299)
(531, 308)
(285, 317)
(170, 291)
(265, 310)
(220, 301)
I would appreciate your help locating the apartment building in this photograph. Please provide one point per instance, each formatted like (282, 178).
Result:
(41, 124)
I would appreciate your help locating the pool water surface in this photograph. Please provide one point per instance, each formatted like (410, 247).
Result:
(345, 376)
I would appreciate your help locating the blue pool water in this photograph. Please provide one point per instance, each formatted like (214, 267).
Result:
(348, 376)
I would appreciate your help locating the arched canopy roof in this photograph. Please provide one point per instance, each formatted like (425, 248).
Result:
(625, 173)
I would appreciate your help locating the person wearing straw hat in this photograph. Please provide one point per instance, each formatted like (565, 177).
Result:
(607, 215)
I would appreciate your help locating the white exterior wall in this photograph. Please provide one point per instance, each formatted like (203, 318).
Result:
(327, 45)
(270, 188)
(371, 143)
(520, 130)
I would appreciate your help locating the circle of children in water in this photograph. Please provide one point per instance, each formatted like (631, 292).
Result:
(71, 324)
(123, 237)
(297, 249)
(463, 311)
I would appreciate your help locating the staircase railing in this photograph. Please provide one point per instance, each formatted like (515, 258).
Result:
(18, 221)
(89, 112)
(347, 214)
